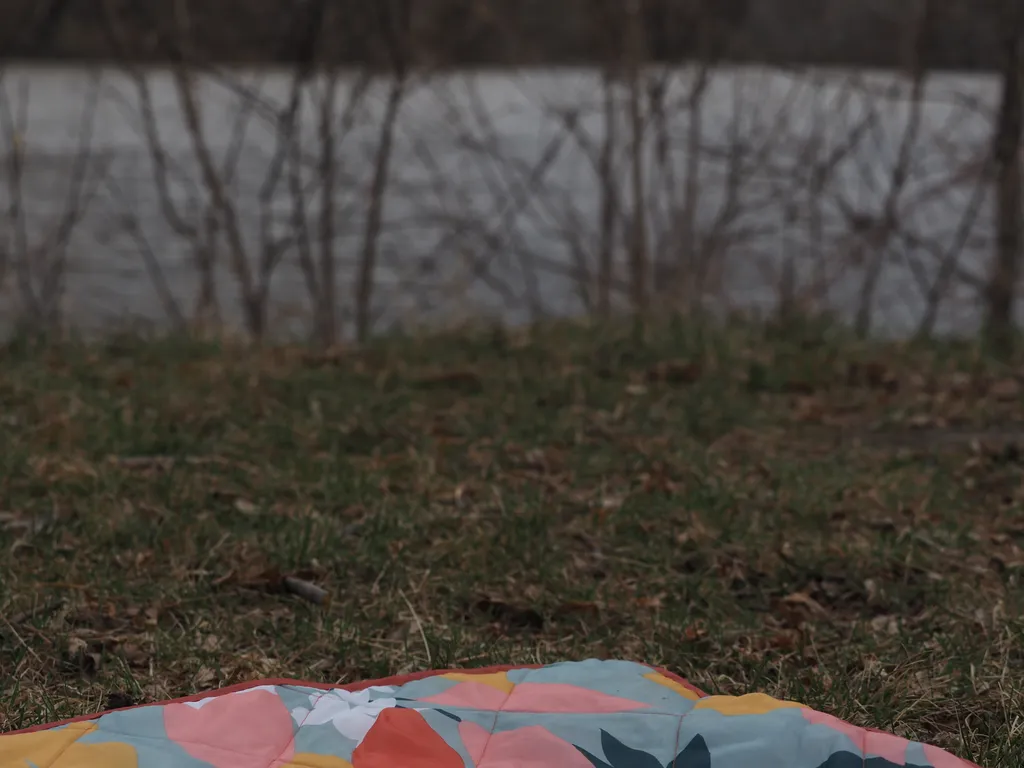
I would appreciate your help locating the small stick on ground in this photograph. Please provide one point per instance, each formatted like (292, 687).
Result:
(307, 591)
(419, 626)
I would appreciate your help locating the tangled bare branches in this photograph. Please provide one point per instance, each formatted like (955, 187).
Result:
(336, 199)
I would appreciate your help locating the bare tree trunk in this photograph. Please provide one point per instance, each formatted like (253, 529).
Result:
(1006, 270)
(326, 321)
(395, 18)
(881, 231)
(638, 240)
(375, 213)
(689, 260)
(206, 312)
(606, 164)
(40, 262)
(13, 122)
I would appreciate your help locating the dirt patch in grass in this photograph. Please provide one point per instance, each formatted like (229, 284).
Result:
(756, 510)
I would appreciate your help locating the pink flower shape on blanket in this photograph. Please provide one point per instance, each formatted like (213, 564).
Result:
(529, 747)
(236, 730)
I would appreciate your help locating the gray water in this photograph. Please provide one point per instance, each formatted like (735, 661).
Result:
(492, 205)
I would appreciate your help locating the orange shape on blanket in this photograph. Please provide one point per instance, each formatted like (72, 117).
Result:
(402, 737)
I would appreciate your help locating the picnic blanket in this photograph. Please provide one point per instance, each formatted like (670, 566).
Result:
(588, 714)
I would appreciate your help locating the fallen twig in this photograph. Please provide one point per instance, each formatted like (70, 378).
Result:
(307, 591)
(419, 626)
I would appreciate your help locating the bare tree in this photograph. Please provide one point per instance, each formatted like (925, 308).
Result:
(394, 22)
(1007, 150)
(635, 59)
(38, 255)
(609, 196)
(880, 231)
(677, 189)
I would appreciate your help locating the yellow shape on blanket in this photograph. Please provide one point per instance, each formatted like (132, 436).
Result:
(310, 760)
(750, 704)
(496, 680)
(62, 749)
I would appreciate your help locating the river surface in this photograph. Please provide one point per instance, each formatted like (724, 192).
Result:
(492, 207)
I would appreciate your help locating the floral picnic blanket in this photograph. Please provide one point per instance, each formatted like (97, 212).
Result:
(589, 714)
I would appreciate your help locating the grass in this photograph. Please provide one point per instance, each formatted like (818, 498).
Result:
(784, 510)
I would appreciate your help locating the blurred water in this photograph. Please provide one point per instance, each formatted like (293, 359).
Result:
(492, 204)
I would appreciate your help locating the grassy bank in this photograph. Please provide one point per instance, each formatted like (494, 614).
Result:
(830, 521)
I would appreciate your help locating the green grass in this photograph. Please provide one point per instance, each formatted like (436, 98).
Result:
(787, 511)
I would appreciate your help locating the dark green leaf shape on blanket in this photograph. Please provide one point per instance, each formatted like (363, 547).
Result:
(850, 760)
(618, 755)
